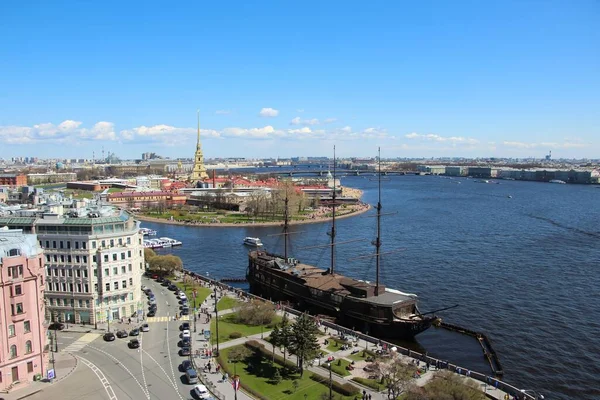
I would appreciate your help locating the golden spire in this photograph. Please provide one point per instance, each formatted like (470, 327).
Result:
(198, 143)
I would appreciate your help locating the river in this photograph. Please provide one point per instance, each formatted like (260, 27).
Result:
(520, 258)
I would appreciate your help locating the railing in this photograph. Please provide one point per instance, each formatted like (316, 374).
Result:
(488, 380)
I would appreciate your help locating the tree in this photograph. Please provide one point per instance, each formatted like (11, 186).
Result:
(165, 264)
(237, 354)
(285, 332)
(303, 342)
(276, 377)
(148, 254)
(275, 339)
(395, 374)
(256, 312)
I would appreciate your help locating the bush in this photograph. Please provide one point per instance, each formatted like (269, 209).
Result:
(235, 335)
(368, 382)
(346, 389)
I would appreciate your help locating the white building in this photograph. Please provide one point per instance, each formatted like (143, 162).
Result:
(94, 261)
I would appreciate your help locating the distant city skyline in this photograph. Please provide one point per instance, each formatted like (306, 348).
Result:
(272, 79)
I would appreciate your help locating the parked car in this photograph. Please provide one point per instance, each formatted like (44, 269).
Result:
(109, 336)
(185, 342)
(185, 334)
(185, 365)
(57, 326)
(144, 287)
(145, 328)
(122, 334)
(133, 344)
(172, 287)
(182, 296)
(192, 376)
(185, 326)
(185, 311)
(184, 351)
(134, 332)
(151, 313)
(166, 282)
(201, 391)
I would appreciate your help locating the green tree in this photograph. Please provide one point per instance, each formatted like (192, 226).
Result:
(238, 354)
(275, 339)
(148, 254)
(166, 265)
(256, 312)
(276, 377)
(285, 338)
(303, 341)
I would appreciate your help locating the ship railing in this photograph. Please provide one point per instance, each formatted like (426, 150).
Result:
(488, 381)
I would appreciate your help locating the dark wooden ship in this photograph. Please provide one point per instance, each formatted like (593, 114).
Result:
(366, 306)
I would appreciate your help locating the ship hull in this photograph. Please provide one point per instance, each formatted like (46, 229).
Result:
(396, 329)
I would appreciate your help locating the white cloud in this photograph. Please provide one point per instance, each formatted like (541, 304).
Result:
(329, 120)
(299, 121)
(69, 125)
(545, 145)
(268, 112)
(66, 132)
(223, 112)
(267, 132)
(437, 138)
(346, 129)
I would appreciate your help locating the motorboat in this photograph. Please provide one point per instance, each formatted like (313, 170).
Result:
(172, 242)
(252, 241)
(147, 232)
(558, 181)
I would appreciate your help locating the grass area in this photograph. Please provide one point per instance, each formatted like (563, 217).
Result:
(188, 288)
(256, 373)
(227, 326)
(335, 344)
(80, 194)
(359, 356)
(372, 383)
(338, 366)
(227, 303)
(115, 190)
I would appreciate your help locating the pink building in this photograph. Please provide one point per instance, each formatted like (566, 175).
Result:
(22, 331)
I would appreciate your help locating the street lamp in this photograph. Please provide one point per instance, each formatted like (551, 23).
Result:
(536, 394)
(217, 321)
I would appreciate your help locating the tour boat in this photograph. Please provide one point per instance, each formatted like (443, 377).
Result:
(252, 241)
(147, 232)
(558, 181)
(172, 242)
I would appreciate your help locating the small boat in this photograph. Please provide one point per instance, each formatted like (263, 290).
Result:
(558, 181)
(147, 232)
(152, 244)
(171, 242)
(252, 241)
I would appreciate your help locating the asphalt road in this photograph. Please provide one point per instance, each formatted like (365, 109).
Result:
(112, 370)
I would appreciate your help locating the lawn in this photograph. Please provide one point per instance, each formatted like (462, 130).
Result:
(256, 373)
(359, 356)
(227, 326)
(203, 292)
(374, 384)
(338, 369)
(227, 303)
(335, 344)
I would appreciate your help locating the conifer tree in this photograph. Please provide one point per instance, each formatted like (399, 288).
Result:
(304, 344)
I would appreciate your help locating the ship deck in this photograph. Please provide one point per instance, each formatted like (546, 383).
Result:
(318, 278)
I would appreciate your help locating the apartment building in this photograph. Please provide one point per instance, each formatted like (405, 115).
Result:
(94, 261)
(22, 331)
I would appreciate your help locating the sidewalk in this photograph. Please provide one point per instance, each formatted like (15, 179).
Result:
(64, 365)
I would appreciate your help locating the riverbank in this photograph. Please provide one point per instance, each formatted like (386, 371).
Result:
(322, 214)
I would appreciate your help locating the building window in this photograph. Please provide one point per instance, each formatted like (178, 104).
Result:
(19, 308)
(124, 284)
(106, 258)
(114, 257)
(128, 240)
(28, 347)
(14, 252)
(80, 303)
(62, 272)
(69, 259)
(85, 259)
(95, 272)
(47, 244)
(85, 273)
(54, 244)
(11, 330)
(71, 288)
(115, 270)
(86, 288)
(112, 243)
(129, 253)
(62, 258)
(77, 258)
(83, 245)
(13, 351)
(64, 287)
(130, 267)
(16, 271)
(130, 281)
(70, 273)
(116, 285)
(55, 258)
(120, 241)
(95, 287)
(48, 259)
(27, 326)
(87, 304)
(122, 256)
(79, 288)
(123, 269)
(106, 271)
(51, 301)
(77, 273)
(68, 245)
(93, 245)
(18, 290)
(76, 245)
(30, 367)
(107, 286)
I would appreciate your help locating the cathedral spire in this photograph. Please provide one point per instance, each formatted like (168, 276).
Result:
(198, 142)
(199, 170)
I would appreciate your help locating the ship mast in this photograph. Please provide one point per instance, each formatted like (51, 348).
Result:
(377, 241)
(286, 225)
(332, 233)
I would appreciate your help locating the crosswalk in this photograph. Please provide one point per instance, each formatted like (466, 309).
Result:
(167, 319)
(81, 342)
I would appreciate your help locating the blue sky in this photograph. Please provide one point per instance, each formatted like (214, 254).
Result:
(279, 78)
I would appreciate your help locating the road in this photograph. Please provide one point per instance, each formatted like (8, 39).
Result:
(112, 370)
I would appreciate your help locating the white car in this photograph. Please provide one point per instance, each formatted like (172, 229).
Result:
(182, 296)
(144, 287)
(185, 334)
(145, 328)
(202, 392)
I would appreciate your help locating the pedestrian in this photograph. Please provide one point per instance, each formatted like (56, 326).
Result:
(226, 377)
(129, 321)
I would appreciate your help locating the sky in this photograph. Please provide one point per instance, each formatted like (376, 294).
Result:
(285, 79)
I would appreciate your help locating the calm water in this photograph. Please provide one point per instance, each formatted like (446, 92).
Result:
(523, 269)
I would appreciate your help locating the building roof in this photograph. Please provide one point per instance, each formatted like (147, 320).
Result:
(11, 239)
